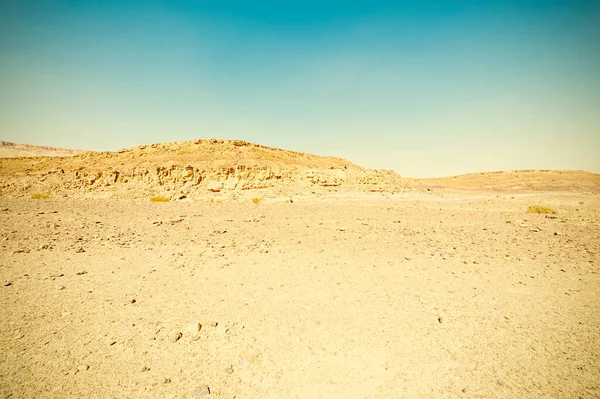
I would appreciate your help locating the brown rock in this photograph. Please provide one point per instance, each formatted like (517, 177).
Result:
(176, 337)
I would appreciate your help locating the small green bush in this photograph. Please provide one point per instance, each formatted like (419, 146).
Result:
(540, 209)
(256, 200)
(42, 196)
(159, 199)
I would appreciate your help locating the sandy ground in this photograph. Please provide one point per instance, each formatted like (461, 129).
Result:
(418, 295)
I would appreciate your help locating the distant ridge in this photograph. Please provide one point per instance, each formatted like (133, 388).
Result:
(525, 179)
(15, 150)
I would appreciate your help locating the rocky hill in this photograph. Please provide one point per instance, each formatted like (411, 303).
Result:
(190, 169)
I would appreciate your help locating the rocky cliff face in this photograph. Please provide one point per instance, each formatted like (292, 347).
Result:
(187, 170)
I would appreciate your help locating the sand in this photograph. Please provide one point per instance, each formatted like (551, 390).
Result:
(423, 294)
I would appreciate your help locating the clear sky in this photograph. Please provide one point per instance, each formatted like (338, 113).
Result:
(427, 88)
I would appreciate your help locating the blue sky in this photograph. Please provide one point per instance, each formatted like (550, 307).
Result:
(427, 88)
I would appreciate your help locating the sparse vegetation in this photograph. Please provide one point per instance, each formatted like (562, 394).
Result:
(256, 200)
(42, 196)
(540, 209)
(159, 199)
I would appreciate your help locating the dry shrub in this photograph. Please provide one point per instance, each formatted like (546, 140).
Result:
(256, 200)
(540, 209)
(159, 199)
(42, 196)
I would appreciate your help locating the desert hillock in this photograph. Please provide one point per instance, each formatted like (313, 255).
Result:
(189, 169)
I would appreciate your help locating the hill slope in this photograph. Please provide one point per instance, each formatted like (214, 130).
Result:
(189, 168)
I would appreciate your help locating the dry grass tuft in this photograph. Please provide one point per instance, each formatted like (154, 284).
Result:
(42, 196)
(159, 199)
(540, 209)
(256, 200)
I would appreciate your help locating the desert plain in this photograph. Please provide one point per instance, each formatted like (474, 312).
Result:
(260, 273)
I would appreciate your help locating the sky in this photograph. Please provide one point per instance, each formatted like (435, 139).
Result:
(426, 88)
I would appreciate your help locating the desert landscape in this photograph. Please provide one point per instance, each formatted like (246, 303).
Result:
(227, 269)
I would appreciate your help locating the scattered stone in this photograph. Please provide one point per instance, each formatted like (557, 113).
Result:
(229, 370)
(167, 381)
(145, 369)
(83, 368)
(80, 250)
(523, 225)
(201, 391)
(176, 337)
(81, 273)
(192, 328)
(132, 301)
(500, 382)
(440, 319)
(8, 283)
(43, 247)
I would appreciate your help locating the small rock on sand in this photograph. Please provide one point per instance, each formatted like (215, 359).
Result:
(176, 337)
(192, 328)
(201, 391)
